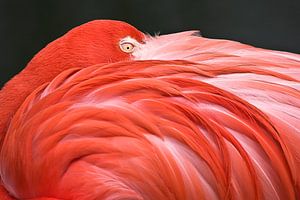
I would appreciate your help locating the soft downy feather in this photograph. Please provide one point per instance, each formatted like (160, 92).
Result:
(196, 118)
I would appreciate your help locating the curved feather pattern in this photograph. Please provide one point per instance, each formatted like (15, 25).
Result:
(269, 80)
(221, 122)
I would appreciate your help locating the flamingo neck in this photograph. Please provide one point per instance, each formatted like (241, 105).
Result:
(41, 69)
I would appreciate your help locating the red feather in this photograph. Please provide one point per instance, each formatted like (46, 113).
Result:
(219, 123)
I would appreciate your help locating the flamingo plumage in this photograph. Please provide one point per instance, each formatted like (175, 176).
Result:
(178, 117)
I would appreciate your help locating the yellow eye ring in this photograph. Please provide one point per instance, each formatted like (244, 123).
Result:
(127, 47)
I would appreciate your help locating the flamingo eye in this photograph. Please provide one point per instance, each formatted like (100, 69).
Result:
(127, 47)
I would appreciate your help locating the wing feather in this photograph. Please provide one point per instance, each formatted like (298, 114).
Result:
(215, 120)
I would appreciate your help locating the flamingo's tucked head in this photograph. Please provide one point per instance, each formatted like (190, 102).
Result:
(98, 41)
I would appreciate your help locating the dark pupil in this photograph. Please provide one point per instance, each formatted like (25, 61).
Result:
(127, 47)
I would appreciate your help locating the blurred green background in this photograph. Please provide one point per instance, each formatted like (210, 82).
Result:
(27, 26)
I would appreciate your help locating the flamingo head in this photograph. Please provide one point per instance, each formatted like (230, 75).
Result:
(98, 41)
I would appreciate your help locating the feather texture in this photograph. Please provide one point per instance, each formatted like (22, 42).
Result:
(190, 118)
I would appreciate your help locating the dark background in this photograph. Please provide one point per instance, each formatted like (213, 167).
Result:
(27, 26)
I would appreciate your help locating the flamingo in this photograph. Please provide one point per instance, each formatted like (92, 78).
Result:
(107, 112)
